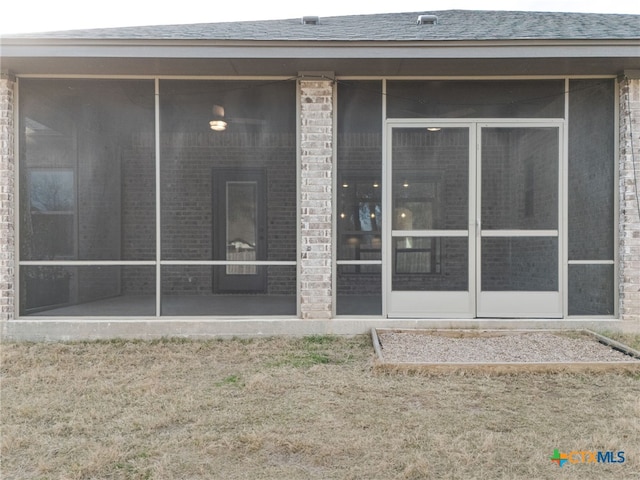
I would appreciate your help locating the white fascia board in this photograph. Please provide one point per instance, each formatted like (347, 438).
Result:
(191, 49)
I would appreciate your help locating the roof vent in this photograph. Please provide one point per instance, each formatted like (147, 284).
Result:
(427, 20)
(310, 20)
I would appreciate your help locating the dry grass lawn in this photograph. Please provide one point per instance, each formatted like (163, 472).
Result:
(311, 408)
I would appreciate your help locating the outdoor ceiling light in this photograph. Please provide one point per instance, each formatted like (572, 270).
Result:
(218, 125)
(434, 129)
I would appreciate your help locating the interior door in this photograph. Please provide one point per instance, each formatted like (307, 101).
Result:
(430, 246)
(239, 229)
(518, 239)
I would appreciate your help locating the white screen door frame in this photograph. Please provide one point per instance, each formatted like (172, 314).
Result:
(473, 300)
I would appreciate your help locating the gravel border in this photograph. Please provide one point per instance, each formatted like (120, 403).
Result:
(491, 347)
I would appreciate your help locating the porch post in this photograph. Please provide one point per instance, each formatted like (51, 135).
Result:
(629, 248)
(316, 181)
(7, 190)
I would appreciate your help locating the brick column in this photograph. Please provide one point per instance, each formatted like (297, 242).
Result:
(629, 191)
(7, 189)
(316, 180)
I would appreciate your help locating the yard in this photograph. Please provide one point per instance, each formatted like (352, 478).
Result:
(310, 408)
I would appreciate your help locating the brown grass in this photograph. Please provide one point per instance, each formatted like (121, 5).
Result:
(310, 408)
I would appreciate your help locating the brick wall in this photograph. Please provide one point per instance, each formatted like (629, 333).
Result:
(629, 251)
(7, 169)
(188, 162)
(316, 177)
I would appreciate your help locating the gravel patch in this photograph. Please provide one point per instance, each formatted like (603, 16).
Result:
(496, 347)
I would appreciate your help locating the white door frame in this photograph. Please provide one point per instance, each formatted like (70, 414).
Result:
(517, 304)
(445, 304)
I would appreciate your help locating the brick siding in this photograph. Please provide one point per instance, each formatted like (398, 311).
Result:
(316, 178)
(629, 252)
(7, 189)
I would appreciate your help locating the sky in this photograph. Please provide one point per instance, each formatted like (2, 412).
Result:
(45, 15)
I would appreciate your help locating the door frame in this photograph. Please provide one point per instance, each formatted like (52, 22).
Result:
(401, 306)
(224, 282)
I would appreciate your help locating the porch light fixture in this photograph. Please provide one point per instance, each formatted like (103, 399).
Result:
(218, 124)
(434, 129)
(376, 184)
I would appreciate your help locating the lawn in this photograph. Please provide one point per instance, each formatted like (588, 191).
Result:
(308, 408)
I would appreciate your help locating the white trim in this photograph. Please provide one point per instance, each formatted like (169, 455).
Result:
(292, 78)
(429, 233)
(159, 77)
(85, 263)
(474, 217)
(91, 263)
(228, 262)
(468, 77)
(563, 221)
(359, 262)
(298, 91)
(520, 233)
(591, 262)
(616, 199)
(16, 198)
(385, 250)
(334, 202)
(516, 304)
(158, 205)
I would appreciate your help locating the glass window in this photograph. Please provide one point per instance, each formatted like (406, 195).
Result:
(475, 99)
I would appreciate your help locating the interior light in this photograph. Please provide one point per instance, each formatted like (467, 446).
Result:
(218, 125)
(373, 215)
(403, 215)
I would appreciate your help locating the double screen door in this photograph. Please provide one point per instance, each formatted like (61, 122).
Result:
(474, 226)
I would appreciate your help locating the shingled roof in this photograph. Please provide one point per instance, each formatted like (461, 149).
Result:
(452, 25)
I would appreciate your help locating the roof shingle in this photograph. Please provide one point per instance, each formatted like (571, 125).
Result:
(452, 25)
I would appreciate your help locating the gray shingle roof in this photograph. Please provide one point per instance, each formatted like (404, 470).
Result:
(452, 25)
